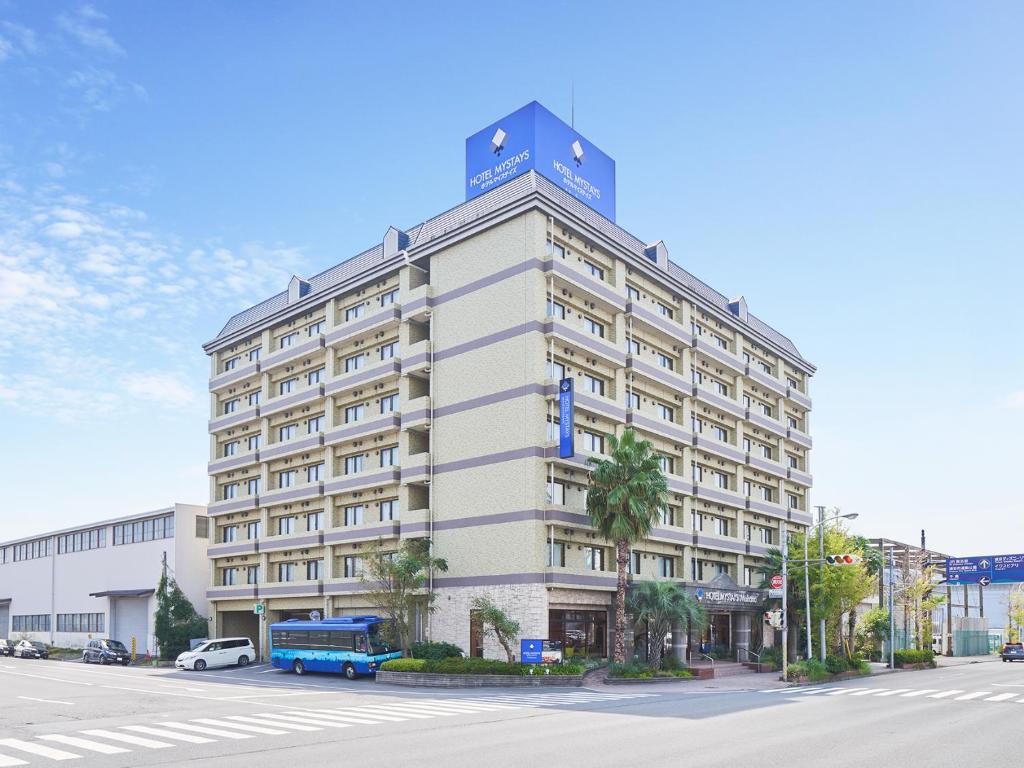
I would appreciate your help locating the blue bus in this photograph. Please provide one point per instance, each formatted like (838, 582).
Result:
(351, 645)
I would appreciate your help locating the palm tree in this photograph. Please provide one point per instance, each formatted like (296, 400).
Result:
(660, 604)
(626, 496)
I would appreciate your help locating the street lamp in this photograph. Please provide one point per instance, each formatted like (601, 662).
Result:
(820, 525)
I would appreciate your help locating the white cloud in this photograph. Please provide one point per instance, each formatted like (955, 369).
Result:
(165, 388)
(16, 40)
(85, 27)
(1016, 400)
(64, 230)
(100, 90)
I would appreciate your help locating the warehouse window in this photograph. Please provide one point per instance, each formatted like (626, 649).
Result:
(35, 623)
(80, 622)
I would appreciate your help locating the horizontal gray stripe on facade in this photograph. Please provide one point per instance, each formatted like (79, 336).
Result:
(475, 520)
(726, 404)
(233, 462)
(276, 543)
(680, 486)
(666, 326)
(665, 376)
(413, 416)
(663, 427)
(282, 449)
(702, 541)
(492, 458)
(231, 419)
(587, 341)
(353, 587)
(222, 594)
(565, 516)
(288, 353)
(767, 466)
(493, 338)
(232, 505)
(361, 428)
(765, 508)
(765, 423)
(719, 355)
(297, 589)
(349, 380)
(334, 537)
(485, 282)
(491, 399)
(720, 449)
(356, 481)
(291, 401)
(421, 358)
(420, 470)
(346, 330)
(219, 550)
(799, 477)
(798, 397)
(559, 268)
(719, 497)
(799, 437)
(232, 377)
(292, 494)
(592, 403)
(765, 380)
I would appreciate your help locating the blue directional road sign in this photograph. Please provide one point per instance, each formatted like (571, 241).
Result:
(985, 569)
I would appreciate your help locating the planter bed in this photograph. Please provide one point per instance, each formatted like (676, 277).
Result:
(440, 680)
(646, 680)
(920, 665)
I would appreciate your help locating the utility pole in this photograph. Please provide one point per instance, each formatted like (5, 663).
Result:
(784, 537)
(981, 601)
(821, 579)
(892, 624)
(949, 620)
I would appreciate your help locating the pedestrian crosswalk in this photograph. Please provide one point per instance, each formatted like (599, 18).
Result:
(167, 734)
(953, 694)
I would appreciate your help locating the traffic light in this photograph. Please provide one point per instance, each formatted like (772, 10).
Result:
(843, 559)
(773, 618)
(768, 619)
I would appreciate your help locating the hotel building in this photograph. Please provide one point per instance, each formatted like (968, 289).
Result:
(412, 391)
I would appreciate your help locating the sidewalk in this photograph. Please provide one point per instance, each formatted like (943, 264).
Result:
(956, 661)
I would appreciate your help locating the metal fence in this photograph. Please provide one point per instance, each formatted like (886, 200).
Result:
(970, 643)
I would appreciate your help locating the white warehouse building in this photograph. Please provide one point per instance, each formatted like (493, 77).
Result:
(99, 580)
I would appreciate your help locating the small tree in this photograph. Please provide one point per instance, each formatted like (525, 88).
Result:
(176, 621)
(660, 604)
(397, 581)
(494, 621)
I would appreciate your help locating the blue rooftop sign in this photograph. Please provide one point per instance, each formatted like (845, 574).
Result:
(985, 569)
(532, 138)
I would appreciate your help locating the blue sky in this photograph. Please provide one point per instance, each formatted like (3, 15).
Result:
(853, 169)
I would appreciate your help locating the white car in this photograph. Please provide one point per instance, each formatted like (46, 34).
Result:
(222, 652)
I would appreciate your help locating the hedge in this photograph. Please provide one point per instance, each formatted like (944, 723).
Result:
(914, 656)
(425, 650)
(476, 666)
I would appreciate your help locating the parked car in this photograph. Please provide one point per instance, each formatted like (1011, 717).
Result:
(31, 649)
(6, 647)
(106, 652)
(1012, 652)
(222, 652)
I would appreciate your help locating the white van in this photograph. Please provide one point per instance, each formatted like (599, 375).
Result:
(222, 652)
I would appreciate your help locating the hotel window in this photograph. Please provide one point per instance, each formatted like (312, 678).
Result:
(666, 567)
(632, 293)
(353, 312)
(746, 444)
(746, 488)
(287, 341)
(766, 493)
(287, 479)
(747, 531)
(285, 525)
(389, 351)
(254, 486)
(665, 412)
(354, 464)
(721, 569)
(229, 533)
(314, 570)
(665, 361)
(696, 330)
(765, 367)
(230, 574)
(254, 355)
(230, 449)
(252, 574)
(254, 397)
(593, 269)
(316, 328)
(355, 413)
(229, 365)
(721, 480)
(389, 510)
(552, 433)
(721, 526)
(720, 388)
(720, 433)
(389, 456)
(231, 406)
(389, 404)
(593, 442)
(556, 493)
(556, 310)
(746, 358)
(314, 425)
(793, 423)
(632, 347)
(556, 555)
(748, 576)
(593, 384)
(556, 371)
(667, 464)
(698, 473)
(353, 566)
(664, 311)
(353, 363)
(697, 424)
(354, 514)
(766, 451)
(315, 377)
(765, 535)
(794, 501)
(633, 400)
(667, 516)
(746, 401)
(696, 570)
(287, 386)
(592, 326)
(391, 297)
(254, 442)
(314, 473)
(697, 376)
(286, 571)
(287, 432)
(253, 529)
(794, 462)
(593, 558)
(634, 563)
(230, 491)
(766, 409)
(792, 382)
(720, 342)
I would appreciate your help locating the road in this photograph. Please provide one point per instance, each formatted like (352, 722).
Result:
(54, 712)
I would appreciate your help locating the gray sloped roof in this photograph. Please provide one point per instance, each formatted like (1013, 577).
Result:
(472, 210)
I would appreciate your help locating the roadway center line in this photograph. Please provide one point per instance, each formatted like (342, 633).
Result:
(55, 701)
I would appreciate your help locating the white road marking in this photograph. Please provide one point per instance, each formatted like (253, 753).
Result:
(355, 712)
(138, 741)
(975, 695)
(475, 703)
(7, 762)
(208, 731)
(38, 749)
(893, 692)
(326, 714)
(869, 691)
(272, 669)
(46, 701)
(468, 705)
(921, 692)
(273, 723)
(304, 720)
(841, 691)
(93, 746)
(371, 708)
(239, 726)
(1001, 697)
(812, 691)
(945, 694)
(43, 677)
(165, 734)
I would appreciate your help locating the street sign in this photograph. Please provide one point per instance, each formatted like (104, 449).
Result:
(540, 651)
(566, 417)
(776, 582)
(258, 608)
(985, 569)
(775, 593)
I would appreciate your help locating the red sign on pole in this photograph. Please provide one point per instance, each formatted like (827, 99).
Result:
(776, 581)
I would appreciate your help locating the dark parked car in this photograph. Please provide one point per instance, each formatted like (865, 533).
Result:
(6, 647)
(106, 652)
(31, 649)
(1012, 652)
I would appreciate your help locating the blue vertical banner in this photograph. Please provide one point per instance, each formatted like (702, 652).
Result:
(566, 418)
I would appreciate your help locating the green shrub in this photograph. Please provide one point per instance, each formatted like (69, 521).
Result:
(772, 656)
(682, 674)
(835, 665)
(632, 669)
(671, 663)
(476, 666)
(424, 650)
(812, 669)
(404, 665)
(914, 656)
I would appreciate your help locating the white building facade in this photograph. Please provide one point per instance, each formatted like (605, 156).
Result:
(99, 580)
